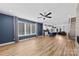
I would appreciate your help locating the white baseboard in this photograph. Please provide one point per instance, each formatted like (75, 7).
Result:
(14, 41)
(7, 43)
(4, 44)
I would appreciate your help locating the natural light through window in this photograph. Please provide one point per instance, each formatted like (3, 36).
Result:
(26, 29)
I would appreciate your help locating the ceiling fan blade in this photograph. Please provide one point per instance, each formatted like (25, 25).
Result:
(41, 14)
(48, 17)
(49, 13)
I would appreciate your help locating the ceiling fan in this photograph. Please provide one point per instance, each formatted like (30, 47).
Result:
(45, 15)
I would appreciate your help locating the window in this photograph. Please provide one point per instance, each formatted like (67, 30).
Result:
(21, 29)
(28, 29)
(25, 29)
(33, 28)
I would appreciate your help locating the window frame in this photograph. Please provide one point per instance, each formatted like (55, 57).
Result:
(32, 28)
(25, 34)
(26, 28)
(18, 28)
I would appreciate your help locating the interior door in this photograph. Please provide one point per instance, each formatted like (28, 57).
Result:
(73, 27)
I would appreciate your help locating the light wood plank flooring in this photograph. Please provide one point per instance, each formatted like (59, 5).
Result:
(41, 46)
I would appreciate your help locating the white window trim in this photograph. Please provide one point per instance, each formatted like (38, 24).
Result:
(35, 28)
(30, 29)
(18, 27)
(25, 29)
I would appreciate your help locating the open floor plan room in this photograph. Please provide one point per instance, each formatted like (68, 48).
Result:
(39, 29)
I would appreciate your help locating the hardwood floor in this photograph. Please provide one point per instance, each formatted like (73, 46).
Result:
(41, 46)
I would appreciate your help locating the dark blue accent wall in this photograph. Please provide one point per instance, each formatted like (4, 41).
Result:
(6, 28)
(24, 37)
(7, 31)
(39, 28)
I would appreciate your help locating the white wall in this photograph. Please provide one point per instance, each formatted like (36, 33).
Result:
(77, 21)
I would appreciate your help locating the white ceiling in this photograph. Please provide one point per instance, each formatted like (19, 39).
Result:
(61, 12)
